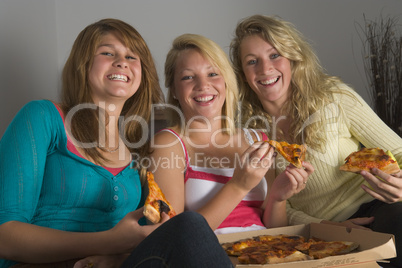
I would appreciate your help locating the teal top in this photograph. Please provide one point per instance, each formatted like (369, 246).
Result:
(43, 183)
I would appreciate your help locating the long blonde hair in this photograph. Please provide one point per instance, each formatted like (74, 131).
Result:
(311, 88)
(76, 89)
(210, 50)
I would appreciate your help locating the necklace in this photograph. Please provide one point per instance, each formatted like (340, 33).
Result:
(110, 151)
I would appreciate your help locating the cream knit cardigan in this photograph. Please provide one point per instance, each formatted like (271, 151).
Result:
(331, 194)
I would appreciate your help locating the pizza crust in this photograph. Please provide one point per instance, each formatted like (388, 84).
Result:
(294, 256)
(152, 214)
(273, 257)
(326, 249)
(391, 169)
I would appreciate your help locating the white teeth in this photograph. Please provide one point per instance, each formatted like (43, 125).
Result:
(118, 77)
(204, 99)
(270, 81)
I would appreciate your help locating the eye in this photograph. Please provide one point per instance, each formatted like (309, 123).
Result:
(212, 74)
(187, 77)
(106, 53)
(131, 57)
(251, 62)
(274, 56)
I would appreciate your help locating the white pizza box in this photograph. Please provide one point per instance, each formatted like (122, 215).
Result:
(373, 246)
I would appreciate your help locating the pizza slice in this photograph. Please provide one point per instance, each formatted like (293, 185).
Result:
(319, 250)
(281, 238)
(293, 153)
(267, 249)
(261, 256)
(304, 246)
(368, 158)
(238, 247)
(269, 242)
(156, 202)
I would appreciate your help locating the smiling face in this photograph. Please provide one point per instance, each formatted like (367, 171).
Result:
(266, 71)
(198, 86)
(116, 71)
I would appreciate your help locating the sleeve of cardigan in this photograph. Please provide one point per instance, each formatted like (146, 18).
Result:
(366, 126)
(299, 217)
(23, 151)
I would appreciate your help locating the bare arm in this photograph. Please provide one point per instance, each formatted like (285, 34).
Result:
(168, 166)
(29, 243)
(255, 162)
(170, 177)
(285, 185)
(39, 243)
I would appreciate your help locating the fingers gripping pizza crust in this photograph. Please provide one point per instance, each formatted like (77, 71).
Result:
(270, 249)
(156, 202)
(368, 158)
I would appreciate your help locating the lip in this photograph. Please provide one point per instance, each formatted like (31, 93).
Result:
(116, 75)
(204, 99)
(269, 81)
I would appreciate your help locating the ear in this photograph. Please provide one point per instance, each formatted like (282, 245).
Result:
(172, 92)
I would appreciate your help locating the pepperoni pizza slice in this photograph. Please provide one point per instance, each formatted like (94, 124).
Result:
(293, 153)
(368, 158)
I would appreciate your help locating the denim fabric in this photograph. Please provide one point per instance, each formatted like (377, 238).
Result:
(387, 219)
(186, 240)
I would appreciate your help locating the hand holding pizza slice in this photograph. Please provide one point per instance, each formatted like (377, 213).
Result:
(156, 202)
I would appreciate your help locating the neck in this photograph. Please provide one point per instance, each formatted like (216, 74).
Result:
(202, 126)
(112, 109)
(111, 140)
(275, 107)
(109, 114)
(202, 132)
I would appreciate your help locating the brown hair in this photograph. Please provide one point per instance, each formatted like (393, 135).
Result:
(76, 89)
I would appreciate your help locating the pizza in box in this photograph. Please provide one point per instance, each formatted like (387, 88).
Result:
(273, 249)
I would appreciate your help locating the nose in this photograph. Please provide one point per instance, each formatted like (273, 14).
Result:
(202, 83)
(266, 66)
(120, 62)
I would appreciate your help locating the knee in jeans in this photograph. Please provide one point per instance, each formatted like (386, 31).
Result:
(189, 221)
(190, 216)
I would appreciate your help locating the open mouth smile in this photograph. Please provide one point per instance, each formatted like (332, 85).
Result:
(118, 77)
(269, 81)
(204, 99)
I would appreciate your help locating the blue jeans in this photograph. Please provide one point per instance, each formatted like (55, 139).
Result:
(387, 219)
(186, 240)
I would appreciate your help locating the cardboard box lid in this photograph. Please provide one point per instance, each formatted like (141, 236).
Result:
(373, 246)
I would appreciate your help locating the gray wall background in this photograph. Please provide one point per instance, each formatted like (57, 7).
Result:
(36, 36)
